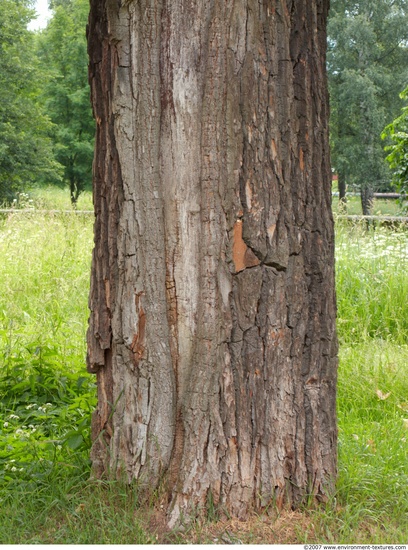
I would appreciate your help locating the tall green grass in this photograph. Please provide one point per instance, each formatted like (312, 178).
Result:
(372, 296)
(54, 198)
(381, 207)
(46, 396)
(49, 198)
(372, 289)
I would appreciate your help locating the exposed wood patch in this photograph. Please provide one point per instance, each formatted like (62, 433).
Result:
(242, 255)
(301, 159)
(271, 231)
(274, 149)
(248, 195)
(107, 293)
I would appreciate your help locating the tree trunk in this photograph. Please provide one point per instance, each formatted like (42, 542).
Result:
(367, 199)
(73, 193)
(212, 327)
(342, 187)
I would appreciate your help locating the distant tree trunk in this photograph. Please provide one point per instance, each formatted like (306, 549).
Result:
(342, 187)
(212, 327)
(367, 199)
(73, 192)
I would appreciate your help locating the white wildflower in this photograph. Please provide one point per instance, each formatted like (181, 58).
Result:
(6, 424)
(14, 416)
(14, 469)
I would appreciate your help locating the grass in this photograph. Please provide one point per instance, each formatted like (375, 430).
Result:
(385, 207)
(51, 198)
(372, 290)
(57, 198)
(46, 398)
(69, 509)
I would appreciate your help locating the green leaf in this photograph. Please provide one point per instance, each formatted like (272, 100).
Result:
(74, 441)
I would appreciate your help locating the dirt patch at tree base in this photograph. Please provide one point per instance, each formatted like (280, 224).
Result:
(285, 528)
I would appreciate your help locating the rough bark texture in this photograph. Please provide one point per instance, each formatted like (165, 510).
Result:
(212, 328)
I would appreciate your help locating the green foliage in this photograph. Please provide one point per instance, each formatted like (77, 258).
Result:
(397, 157)
(46, 395)
(368, 65)
(25, 145)
(62, 53)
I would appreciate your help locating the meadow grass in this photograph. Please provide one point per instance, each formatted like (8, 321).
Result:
(46, 397)
(50, 198)
(386, 207)
(55, 198)
(45, 391)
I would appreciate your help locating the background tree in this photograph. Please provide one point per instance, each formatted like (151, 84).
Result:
(368, 65)
(62, 51)
(25, 147)
(397, 157)
(212, 327)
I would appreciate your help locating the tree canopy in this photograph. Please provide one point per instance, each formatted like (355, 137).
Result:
(25, 144)
(46, 125)
(397, 157)
(368, 66)
(62, 52)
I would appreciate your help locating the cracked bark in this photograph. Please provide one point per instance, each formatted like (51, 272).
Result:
(212, 327)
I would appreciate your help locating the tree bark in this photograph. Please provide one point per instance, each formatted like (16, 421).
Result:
(212, 327)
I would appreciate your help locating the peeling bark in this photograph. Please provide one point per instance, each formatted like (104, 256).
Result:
(212, 327)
